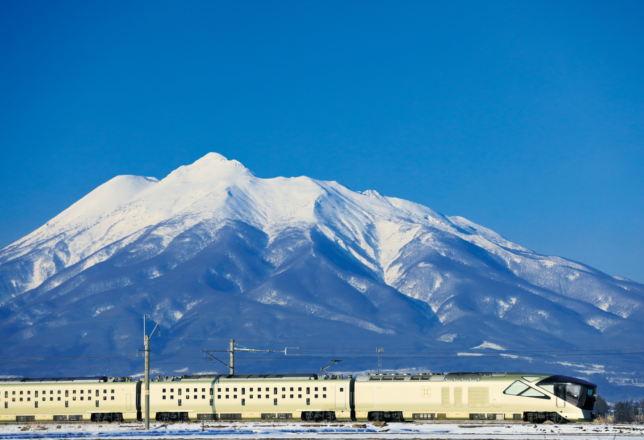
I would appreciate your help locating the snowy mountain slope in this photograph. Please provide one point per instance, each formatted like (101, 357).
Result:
(213, 250)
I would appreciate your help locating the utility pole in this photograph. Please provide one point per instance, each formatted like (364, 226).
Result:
(209, 355)
(232, 356)
(379, 351)
(146, 341)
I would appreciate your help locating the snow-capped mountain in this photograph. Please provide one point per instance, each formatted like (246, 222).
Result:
(211, 251)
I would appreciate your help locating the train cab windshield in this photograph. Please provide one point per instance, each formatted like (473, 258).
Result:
(577, 392)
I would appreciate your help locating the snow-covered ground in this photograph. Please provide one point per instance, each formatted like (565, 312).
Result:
(321, 430)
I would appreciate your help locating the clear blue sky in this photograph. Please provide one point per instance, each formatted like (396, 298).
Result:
(525, 117)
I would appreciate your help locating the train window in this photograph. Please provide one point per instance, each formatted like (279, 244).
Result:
(243, 391)
(187, 396)
(274, 401)
(243, 401)
(234, 396)
(203, 390)
(66, 404)
(51, 399)
(21, 393)
(13, 399)
(219, 396)
(81, 397)
(66, 393)
(532, 378)
(308, 401)
(235, 389)
(74, 398)
(58, 399)
(251, 390)
(251, 396)
(172, 390)
(13, 392)
(299, 388)
(316, 388)
(324, 389)
(283, 396)
(179, 402)
(28, 399)
(291, 396)
(28, 392)
(97, 404)
(58, 392)
(259, 396)
(163, 397)
(308, 390)
(97, 392)
(21, 399)
(73, 391)
(324, 396)
(188, 390)
(341, 390)
(104, 397)
(105, 391)
(291, 389)
(81, 391)
(36, 403)
(211, 401)
(267, 396)
(195, 390)
(283, 389)
(44, 399)
(299, 396)
(171, 397)
(195, 397)
(179, 391)
(531, 392)
(520, 389)
(274, 390)
(516, 388)
(203, 397)
(36, 393)
(164, 390)
(219, 390)
(316, 396)
(211, 391)
(52, 392)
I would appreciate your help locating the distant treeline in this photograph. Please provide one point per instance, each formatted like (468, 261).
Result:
(622, 412)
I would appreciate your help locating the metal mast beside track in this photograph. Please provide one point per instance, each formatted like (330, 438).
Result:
(146, 341)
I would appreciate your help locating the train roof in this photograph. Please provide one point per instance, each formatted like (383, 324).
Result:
(93, 379)
(211, 377)
(449, 377)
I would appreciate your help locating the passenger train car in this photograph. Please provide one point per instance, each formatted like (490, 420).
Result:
(530, 397)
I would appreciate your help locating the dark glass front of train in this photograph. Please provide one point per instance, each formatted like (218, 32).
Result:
(577, 392)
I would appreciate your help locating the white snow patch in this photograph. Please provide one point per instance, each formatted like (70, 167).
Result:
(449, 337)
(490, 345)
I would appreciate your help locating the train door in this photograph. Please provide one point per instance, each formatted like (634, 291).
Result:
(128, 401)
(340, 396)
(560, 392)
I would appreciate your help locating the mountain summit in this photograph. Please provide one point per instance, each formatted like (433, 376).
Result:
(212, 251)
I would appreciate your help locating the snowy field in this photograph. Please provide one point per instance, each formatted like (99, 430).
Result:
(264, 430)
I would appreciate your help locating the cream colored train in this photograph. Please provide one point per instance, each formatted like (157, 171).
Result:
(456, 396)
